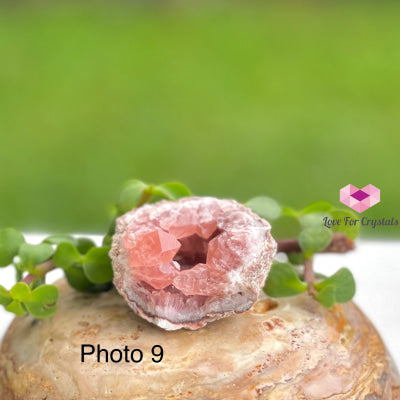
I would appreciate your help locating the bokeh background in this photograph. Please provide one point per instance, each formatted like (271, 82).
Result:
(292, 99)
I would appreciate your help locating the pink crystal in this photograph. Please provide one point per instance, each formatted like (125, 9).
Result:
(189, 262)
(159, 276)
(200, 279)
(151, 247)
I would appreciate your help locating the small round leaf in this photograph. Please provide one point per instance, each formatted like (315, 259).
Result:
(344, 284)
(344, 216)
(296, 258)
(327, 296)
(59, 238)
(84, 244)
(45, 294)
(314, 219)
(107, 239)
(20, 291)
(33, 254)
(265, 207)
(289, 211)
(16, 308)
(77, 278)
(97, 265)
(172, 190)
(40, 311)
(66, 255)
(5, 296)
(318, 206)
(10, 242)
(43, 302)
(130, 195)
(314, 239)
(286, 227)
(283, 281)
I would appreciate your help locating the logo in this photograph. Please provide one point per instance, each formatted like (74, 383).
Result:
(360, 199)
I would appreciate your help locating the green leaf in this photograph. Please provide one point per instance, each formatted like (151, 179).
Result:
(78, 280)
(84, 244)
(314, 239)
(20, 292)
(313, 219)
(283, 281)
(39, 310)
(327, 296)
(45, 294)
(318, 206)
(97, 265)
(172, 190)
(5, 296)
(286, 227)
(351, 231)
(318, 275)
(296, 258)
(66, 255)
(107, 240)
(43, 301)
(16, 307)
(59, 238)
(33, 254)
(130, 195)
(289, 211)
(10, 242)
(265, 207)
(344, 284)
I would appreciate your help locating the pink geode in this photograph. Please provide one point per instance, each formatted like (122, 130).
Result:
(185, 263)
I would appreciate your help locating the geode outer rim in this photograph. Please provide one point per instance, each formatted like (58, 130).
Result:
(269, 249)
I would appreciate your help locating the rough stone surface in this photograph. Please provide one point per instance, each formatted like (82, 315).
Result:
(185, 263)
(289, 349)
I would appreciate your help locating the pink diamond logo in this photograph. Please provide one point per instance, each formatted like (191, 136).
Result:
(360, 199)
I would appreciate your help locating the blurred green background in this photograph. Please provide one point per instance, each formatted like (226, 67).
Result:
(290, 99)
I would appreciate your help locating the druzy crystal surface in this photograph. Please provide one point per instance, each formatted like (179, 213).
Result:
(185, 263)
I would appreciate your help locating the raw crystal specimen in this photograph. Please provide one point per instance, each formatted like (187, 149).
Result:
(185, 263)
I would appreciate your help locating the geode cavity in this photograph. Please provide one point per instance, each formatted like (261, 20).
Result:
(185, 263)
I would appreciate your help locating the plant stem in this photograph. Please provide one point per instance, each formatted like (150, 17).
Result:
(340, 244)
(41, 270)
(309, 275)
(18, 274)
